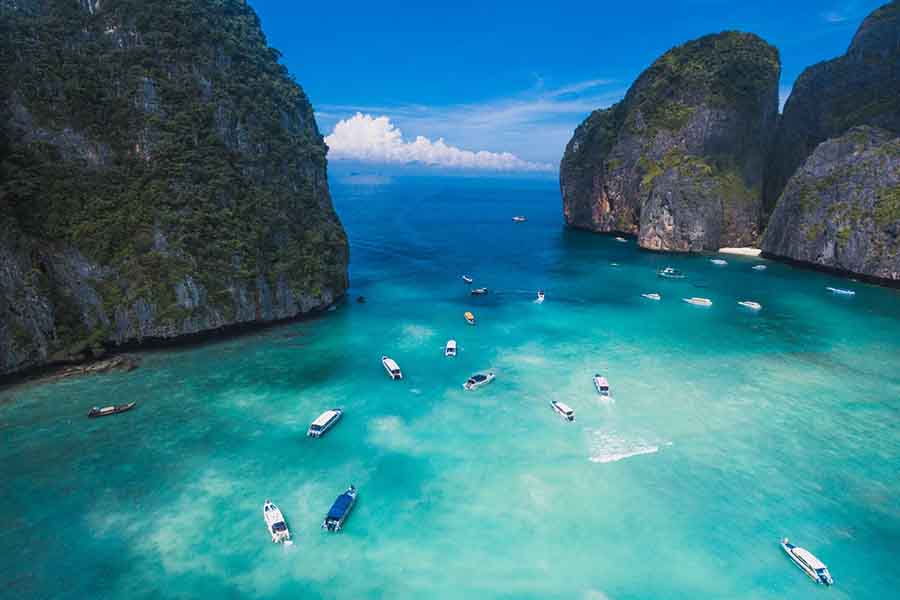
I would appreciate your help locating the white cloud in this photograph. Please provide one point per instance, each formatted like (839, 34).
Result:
(834, 16)
(376, 139)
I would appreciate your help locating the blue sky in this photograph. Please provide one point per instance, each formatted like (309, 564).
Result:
(509, 79)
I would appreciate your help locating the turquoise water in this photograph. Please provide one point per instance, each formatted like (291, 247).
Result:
(728, 430)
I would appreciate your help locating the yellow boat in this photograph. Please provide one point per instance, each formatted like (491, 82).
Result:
(469, 317)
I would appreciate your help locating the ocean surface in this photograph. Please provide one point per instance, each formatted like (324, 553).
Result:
(727, 429)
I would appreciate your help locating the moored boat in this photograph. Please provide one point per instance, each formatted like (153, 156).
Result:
(467, 279)
(696, 301)
(760, 267)
(651, 296)
(718, 261)
(540, 297)
(840, 291)
(450, 348)
(620, 239)
(750, 304)
(670, 273)
(324, 422)
(601, 384)
(340, 510)
(519, 219)
(479, 291)
(110, 410)
(470, 318)
(275, 523)
(479, 379)
(563, 410)
(810, 565)
(392, 368)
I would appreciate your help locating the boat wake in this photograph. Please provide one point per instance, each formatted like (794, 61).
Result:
(607, 447)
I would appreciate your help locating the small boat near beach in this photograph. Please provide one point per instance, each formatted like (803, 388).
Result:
(840, 291)
(324, 422)
(540, 297)
(275, 524)
(563, 410)
(450, 348)
(651, 296)
(110, 410)
(718, 261)
(482, 291)
(467, 279)
(621, 239)
(810, 565)
(470, 318)
(760, 267)
(696, 301)
(519, 219)
(601, 384)
(340, 510)
(670, 273)
(392, 368)
(750, 304)
(478, 380)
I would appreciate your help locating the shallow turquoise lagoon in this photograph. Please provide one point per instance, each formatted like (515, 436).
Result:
(728, 430)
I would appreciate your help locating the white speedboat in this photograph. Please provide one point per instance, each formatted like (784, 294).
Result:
(478, 380)
(519, 219)
(563, 410)
(718, 261)
(450, 348)
(750, 304)
(324, 422)
(652, 296)
(601, 384)
(811, 565)
(540, 297)
(670, 273)
(467, 279)
(482, 291)
(392, 368)
(275, 523)
(840, 291)
(621, 239)
(760, 268)
(698, 301)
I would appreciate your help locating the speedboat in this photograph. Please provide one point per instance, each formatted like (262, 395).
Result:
(698, 301)
(275, 523)
(478, 380)
(540, 297)
(450, 348)
(564, 410)
(811, 565)
(760, 268)
(718, 261)
(519, 219)
(601, 384)
(652, 296)
(841, 291)
(470, 318)
(324, 422)
(479, 291)
(110, 410)
(751, 304)
(467, 279)
(670, 273)
(621, 239)
(614, 264)
(392, 368)
(339, 511)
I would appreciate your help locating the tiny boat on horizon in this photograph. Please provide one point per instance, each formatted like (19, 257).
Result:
(760, 267)
(467, 279)
(392, 368)
(563, 410)
(450, 348)
(670, 273)
(275, 524)
(478, 380)
(652, 296)
(811, 565)
(324, 422)
(840, 291)
(601, 384)
(697, 301)
(540, 297)
(340, 510)
(470, 318)
(718, 261)
(482, 291)
(519, 219)
(110, 410)
(751, 304)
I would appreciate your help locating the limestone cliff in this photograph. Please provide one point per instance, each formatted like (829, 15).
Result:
(841, 209)
(679, 161)
(860, 88)
(161, 174)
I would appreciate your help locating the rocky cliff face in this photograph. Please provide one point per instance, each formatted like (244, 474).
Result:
(160, 175)
(860, 88)
(679, 162)
(841, 209)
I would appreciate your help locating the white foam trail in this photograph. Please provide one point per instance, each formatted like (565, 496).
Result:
(606, 458)
(609, 447)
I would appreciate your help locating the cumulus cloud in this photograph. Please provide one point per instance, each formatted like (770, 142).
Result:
(377, 139)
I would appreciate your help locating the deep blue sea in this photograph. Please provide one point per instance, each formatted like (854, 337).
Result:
(727, 429)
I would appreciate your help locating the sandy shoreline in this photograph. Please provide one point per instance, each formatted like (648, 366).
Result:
(741, 251)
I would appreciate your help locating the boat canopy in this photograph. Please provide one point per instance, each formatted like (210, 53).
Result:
(324, 418)
(340, 506)
(390, 364)
(279, 526)
(808, 558)
(601, 381)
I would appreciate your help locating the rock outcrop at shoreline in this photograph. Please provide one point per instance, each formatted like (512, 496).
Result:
(841, 209)
(860, 88)
(679, 161)
(161, 174)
